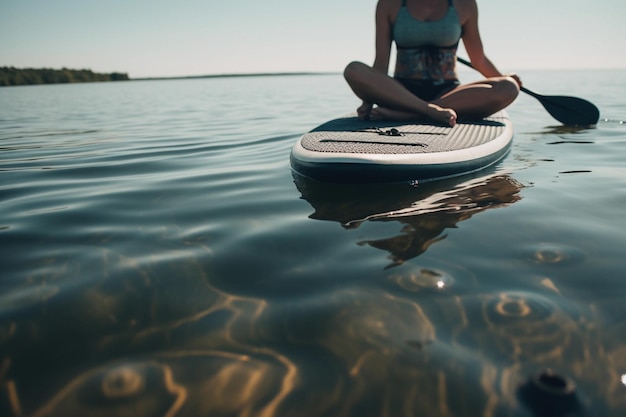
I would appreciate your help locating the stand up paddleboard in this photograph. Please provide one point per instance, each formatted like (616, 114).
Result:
(349, 150)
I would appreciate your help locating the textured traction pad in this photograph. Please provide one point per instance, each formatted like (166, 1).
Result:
(351, 135)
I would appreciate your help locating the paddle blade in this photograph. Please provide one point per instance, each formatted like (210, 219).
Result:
(571, 111)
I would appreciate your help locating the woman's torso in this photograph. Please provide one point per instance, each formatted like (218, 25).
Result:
(426, 50)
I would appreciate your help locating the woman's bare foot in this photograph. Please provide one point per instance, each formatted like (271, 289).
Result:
(442, 115)
(436, 113)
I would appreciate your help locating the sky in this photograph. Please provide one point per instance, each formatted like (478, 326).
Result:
(158, 38)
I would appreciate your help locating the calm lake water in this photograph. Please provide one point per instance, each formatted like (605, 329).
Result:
(159, 258)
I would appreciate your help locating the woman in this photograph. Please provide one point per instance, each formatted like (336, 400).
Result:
(425, 83)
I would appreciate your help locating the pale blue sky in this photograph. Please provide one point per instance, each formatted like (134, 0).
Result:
(196, 37)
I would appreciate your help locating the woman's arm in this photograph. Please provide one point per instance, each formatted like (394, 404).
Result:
(473, 42)
(383, 48)
(383, 35)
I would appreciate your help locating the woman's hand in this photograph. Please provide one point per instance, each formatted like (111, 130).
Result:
(516, 77)
(364, 110)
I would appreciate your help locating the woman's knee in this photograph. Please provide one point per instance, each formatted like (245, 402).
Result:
(508, 88)
(354, 71)
(504, 91)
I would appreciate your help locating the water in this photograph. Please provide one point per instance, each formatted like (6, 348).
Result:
(160, 259)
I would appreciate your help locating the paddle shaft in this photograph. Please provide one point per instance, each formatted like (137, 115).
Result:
(524, 89)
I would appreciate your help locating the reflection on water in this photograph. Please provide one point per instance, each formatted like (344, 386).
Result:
(425, 210)
(562, 130)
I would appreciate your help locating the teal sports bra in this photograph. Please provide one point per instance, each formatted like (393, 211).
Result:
(426, 50)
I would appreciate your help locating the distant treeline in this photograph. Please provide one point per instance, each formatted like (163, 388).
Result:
(28, 76)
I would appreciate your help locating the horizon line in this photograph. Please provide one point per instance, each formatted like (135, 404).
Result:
(300, 73)
(235, 75)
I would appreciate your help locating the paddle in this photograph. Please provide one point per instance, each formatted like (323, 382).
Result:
(571, 111)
